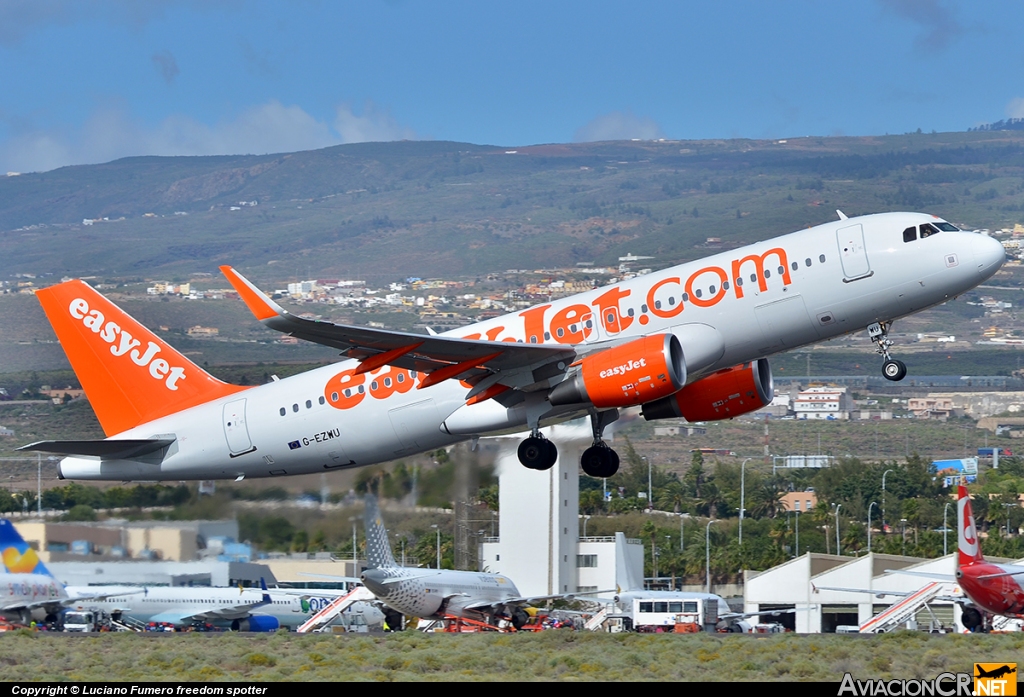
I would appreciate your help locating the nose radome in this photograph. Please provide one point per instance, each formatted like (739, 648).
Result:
(989, 255)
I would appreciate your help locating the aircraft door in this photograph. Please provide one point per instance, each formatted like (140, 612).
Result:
(610, 322)
(853, 253)
(235, 429)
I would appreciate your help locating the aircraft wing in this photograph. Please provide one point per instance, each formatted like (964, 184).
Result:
(511, 364)
(530, 600)
(948, 578)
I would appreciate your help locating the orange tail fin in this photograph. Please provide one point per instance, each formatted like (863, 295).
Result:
(967, 535)
(129, 374)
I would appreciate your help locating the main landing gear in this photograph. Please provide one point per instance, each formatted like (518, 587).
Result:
(892, 369)
(537, 452)
(599, 460)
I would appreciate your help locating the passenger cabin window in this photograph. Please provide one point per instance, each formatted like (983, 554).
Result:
(927, 230)
(910, 234)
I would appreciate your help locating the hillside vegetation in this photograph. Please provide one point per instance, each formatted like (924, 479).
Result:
(379, 211)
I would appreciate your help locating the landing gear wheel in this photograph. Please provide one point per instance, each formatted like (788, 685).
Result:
(537, 453)
(970, 618)
(894, 370)
(519, 618)
(599, 461)
(394, 619)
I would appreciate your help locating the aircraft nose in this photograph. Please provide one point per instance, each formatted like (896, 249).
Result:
(989, 255)
(374, 579)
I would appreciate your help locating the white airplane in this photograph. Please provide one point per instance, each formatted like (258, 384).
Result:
(27, 588)
(688, 341)
(439, 593)
(240, 609)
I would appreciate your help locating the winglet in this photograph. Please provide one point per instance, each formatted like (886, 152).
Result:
(266, 593)
(256, 300)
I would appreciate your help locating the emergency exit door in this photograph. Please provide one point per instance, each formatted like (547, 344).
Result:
(235, 429)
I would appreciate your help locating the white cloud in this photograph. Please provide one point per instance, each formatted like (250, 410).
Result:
(1015, 109)
(268, 128)
(619, 125)
(374, 126)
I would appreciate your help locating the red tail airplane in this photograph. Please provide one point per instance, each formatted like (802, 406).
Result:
(994, 588)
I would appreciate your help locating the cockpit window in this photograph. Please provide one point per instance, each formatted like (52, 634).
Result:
(947, 227)
(927, 230)
(910, 234)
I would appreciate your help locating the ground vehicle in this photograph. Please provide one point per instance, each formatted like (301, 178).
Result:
(92, 620)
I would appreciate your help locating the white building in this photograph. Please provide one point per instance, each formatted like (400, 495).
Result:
(539, 546)
(827, 591)
(823, 402)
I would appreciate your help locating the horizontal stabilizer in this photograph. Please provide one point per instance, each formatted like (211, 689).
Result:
(107, 449)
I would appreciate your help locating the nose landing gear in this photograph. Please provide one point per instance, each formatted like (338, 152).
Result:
(892, 369)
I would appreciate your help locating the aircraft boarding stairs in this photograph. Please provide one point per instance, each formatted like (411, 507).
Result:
(905, 608)
(338, 606)
(595, 622)
(128, 624)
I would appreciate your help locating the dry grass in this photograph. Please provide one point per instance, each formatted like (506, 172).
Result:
(555, 655)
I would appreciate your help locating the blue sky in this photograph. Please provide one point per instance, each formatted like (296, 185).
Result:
(84, 81)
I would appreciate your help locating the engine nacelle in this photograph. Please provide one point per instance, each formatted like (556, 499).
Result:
(721, 395)
(640, 371)
(256, 623)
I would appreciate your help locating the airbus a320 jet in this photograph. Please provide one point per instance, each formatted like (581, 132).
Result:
(690, 341)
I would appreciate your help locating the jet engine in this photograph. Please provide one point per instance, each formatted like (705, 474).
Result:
(256, 623)
(721, 395)
(639, 371)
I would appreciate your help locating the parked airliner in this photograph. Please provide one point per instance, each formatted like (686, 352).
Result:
(27, 588)
(439, 593)
(690, 341)
(239, 609)
(992, 588)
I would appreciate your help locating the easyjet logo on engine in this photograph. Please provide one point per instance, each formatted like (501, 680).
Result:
(624, 368)
(123, 343)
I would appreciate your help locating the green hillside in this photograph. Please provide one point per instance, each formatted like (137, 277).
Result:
(380, 211)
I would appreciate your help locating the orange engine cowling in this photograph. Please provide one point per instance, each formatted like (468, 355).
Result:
(642, 370)
(721, 395)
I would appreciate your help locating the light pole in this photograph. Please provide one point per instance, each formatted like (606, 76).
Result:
(743, 491)
(682, 538)
(883, 498)
(650, 500)
(869, 525)
(585, 519)
(707, 553)
(438, 546)
(945, 529)
(839, 550)
(797, 534)
(355, 549)
(903, 521)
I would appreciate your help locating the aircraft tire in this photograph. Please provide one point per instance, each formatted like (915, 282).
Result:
(971, 619)
(599, 461)
(519, 618)
(532, 453)
(894, 370)
(550, 455)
